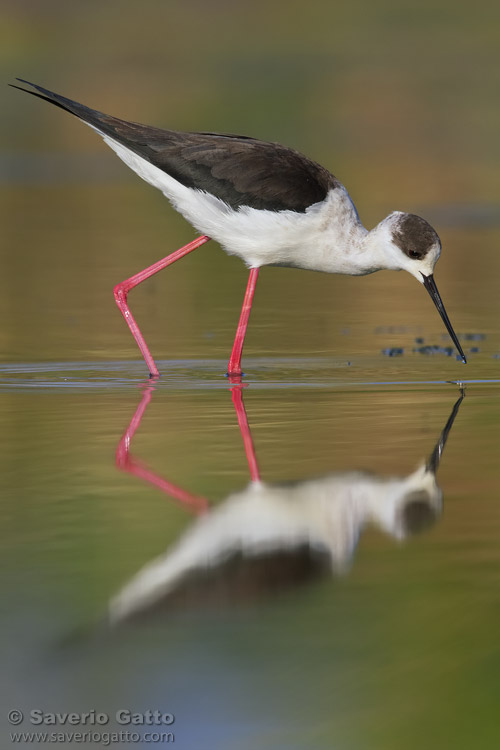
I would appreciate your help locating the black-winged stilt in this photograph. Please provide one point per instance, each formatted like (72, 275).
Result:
(263, 202)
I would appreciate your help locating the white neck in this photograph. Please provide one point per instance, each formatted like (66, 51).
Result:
(337, 241)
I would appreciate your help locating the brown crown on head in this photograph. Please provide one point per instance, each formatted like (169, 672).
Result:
(414, 236)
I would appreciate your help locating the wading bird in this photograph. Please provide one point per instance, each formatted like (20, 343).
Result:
(263, 202)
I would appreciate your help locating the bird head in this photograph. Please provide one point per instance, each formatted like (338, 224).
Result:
(409, 243)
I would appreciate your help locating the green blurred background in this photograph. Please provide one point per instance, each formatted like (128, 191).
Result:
(400, 101)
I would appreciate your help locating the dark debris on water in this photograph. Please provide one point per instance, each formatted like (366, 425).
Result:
(448, 351)
(466, 336)
(431, 349)
(475, 336)
(434, 349)
(393, 351)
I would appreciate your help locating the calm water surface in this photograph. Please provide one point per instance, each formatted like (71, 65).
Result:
(349, 599)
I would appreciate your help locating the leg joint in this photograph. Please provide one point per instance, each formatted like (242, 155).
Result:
(120, 293)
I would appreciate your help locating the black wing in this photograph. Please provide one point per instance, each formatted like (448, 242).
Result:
(239, 170)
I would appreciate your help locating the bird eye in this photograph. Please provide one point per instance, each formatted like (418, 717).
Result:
(414, 254)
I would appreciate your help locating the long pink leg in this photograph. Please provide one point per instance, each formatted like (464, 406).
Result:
(234, 367)
(121, 292)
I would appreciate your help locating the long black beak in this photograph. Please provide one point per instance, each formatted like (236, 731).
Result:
(431, 287)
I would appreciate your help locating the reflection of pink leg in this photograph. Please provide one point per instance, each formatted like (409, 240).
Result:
(123, 449)
(234, 367)
(121, 291)
(237, 397)
(126, 462)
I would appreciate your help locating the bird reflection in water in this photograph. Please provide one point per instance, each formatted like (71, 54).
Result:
(270, 537)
